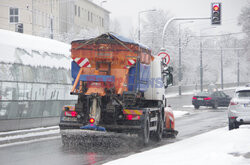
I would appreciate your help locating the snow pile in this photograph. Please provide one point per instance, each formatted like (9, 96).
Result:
(216, 147)
(32, 50)
(178, 114)
(31, 134)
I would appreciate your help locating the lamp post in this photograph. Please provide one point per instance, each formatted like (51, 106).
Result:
(180, 68)
(221, 64)
(102, 3)
(201, 65)
(139, 14)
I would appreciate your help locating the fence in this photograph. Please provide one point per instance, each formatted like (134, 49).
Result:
(32, 104)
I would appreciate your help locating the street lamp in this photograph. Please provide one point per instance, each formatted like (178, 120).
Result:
(139, 32)
(179, 72)
(102, 3)
(201, 66)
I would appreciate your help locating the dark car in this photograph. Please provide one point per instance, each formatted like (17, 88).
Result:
(211, 99)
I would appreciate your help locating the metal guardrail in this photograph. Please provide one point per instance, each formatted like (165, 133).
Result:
(188, 88)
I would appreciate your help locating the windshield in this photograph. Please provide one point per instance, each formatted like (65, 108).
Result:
(245, 93)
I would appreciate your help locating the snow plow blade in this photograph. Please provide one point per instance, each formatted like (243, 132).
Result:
(93, 138)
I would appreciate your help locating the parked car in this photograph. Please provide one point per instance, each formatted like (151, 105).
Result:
(212, 99)
(239, 108)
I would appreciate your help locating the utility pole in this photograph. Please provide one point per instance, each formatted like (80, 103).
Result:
(201, 66)
(238, 68)
(33, 16)
(201, 52)
(51, 21)
(221, 58)
(179, 61)
(180, 68)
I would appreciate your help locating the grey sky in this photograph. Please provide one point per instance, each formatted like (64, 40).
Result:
(126, 11)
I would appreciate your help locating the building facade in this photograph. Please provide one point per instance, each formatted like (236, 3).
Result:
(83, 14)
(52, 18)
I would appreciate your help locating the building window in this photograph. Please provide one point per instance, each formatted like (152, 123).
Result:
(88, 16)
(14, 15)
(102, 22)
(75, 10)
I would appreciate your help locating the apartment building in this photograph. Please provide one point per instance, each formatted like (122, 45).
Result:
(52, 18)
(83, 14)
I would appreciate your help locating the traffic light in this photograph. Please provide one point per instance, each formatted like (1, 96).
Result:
(19, 27)
(216, 14)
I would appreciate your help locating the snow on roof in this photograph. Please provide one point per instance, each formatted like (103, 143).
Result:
(124, 39)
(32, 50)
(112, 36)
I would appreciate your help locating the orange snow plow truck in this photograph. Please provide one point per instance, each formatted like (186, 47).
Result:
(120, 88)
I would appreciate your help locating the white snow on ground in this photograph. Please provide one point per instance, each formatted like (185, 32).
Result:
(188, 106)
(32, 50)
(32, 134)
(218, 147)
(30, 141)
(178, 114)
(29, 130)
(170, 95)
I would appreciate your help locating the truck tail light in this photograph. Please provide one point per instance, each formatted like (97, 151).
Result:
(207, 98)
(91, 120)
(70, 113)
(133, 117)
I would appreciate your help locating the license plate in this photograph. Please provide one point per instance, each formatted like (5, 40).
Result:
(199, 98)
(69, 119)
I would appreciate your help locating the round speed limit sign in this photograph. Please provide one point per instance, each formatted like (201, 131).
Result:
(164, 57)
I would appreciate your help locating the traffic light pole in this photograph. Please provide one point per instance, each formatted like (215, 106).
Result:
(178, 19)
(163, 33)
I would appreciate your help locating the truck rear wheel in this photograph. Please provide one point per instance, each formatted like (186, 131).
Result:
(144, 133)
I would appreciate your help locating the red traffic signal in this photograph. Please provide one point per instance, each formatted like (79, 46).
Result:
(216, 14)
(92, 120)
(216, 7)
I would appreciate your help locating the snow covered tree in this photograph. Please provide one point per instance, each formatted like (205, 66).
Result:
(115, 26)
(244, 19)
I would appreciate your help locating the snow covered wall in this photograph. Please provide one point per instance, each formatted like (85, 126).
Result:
(32, 50)
(35, 80)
